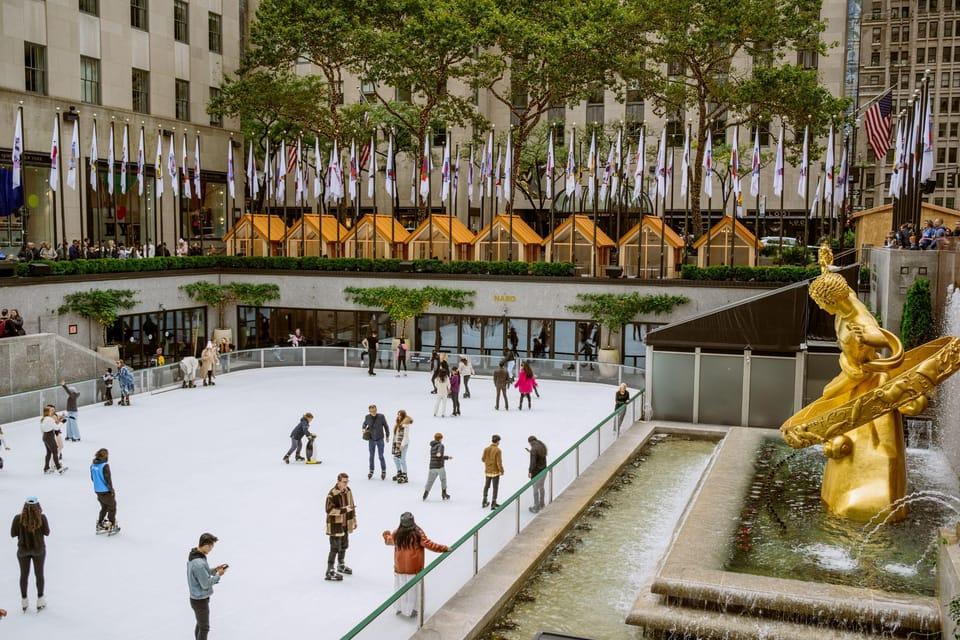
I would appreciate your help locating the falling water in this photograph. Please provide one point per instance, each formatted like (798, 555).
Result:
(948, 396)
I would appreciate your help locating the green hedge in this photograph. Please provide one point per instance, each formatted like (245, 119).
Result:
(749, 274)
(109, 265)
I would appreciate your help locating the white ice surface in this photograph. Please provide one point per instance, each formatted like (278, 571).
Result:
(208, 459)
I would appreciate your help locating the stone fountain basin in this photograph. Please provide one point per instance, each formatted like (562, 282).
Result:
(691, 578)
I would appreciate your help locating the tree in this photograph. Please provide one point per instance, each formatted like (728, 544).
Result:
(686, 63)
(403, 304)
(99, 305)
(221, 295)
(916, 326)
(615, 310)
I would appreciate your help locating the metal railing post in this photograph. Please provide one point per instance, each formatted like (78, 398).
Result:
(551, 485)
(476, 552)
(619, 374)
(344, 356)
(261, 358)
(598, 441)
(304, 350)
(423, 602)
(578, 371)
(577, 456)
(518, 516)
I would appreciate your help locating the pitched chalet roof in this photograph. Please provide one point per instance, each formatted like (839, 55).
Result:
(277, 230)
(521, 230)
(656, 223)
(325, 224)
(585, 226)
(461, 235)
(740, 229)
(383, 227)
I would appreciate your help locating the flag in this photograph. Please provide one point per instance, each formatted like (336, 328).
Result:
(93, 157)
(268, 171)
(926, 164)
(124, 160)
(755, 171)
(708, 165)
(184, 167)
(894, 189)
(252, 173)
(660, 188)
(628, 158)
(17, 153)
(607, 175)
(508, 170)
(828, 163)
(669, 181)
(570, 173)
(685, 163)
(425, 167)
(617, 155)
(282, 161)
(816, 198)
(413, 183)
(778, 167)
(390, 179)
(735, 162)
(55, 154)
(551, 164)
(641, 163)
(172, 172)
(445, 171)
(231, 177)
(804, 165)
(841, 189)
(354, 173)
(592, 167)
(158, 166)
(470, 177)
(279, 186)
(486, 172)
(141, 164)
(196, 169)
(496, 173)
(334, 176)
(317, 182)
(372, 169)
(456, 173)
(74, 156)
(878, 121)
(292, 159)
(110, 161)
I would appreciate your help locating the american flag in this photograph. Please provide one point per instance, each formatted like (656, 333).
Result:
(292, 160)
(878, 122)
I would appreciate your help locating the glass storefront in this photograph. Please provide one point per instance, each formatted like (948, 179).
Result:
(26, 213)
(261, 327)
(635, 343)
(128, 218)
(206, 216)
(177, 332)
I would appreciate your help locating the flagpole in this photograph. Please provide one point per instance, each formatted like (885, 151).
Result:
(53, 197)
(373, 156)
(553, 195)
(508, 199)
(663, 217)
(157, 219)
(393, 208)
(98, 218)
(595, 257)
(63, 207)
(82, 185)
(575, 202)
(756, 213)
(450, 194)
(496, 204)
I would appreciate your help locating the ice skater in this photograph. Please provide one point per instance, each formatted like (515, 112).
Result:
(455, 391)
(73, 431)
(107, 387)
(466, 371)
(527, 384)
(620, 400)
(209, 359)
(370, 344)
(438, 469)
(401, 356)
(408, 542)
(49, 425)
(492, 459)
(538, 462)
(401, 441)
(376, 431)
(30, 527)
(188, 370)
(510, 358)
(442, 383)
(501, 379)
(200, 581)
(103, 487)
(341, 522)
(299, 432)
(125, 378)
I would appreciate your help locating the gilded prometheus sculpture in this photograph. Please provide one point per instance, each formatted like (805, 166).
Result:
(858, 419)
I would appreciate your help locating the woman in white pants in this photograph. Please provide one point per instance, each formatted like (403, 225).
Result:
(443, 392)
(408, 543)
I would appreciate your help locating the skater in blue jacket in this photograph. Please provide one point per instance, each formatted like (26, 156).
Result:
(103, 487)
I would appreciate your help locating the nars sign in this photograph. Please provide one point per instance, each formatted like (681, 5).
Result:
(504, 298)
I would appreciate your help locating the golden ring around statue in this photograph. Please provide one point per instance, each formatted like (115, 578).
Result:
(921, 370)
(892, 362)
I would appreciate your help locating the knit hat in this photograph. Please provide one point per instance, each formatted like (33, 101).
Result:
(406, 520)
(36, 500)
(438, 436)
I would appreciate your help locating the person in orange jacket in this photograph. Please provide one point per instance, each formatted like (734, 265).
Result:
(408, 542)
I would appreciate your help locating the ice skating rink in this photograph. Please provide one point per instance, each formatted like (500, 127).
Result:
(209, 459)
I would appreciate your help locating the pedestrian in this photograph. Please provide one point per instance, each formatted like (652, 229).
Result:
(442, 383)
(296, 338)
(538, 462)
(408, 543)
(49, 425)
(73, 431)
(296, 437)
(500, 380)
(513, 339)
(209, 359)
(620, 400)
(125, 378)
(371, 345)
(401, 441)
(466, 370)
(510, 358)
(455, 391)
(434, 366)
(341, 522)
(526, 383)
(30, 527)
(200, 581)
(376, 431)
(438, 469)
(402, 357)
(492, 470)
(108, 387)
(103, 487)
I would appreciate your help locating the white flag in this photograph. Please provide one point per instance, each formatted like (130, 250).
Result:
(607, 175)
(894, 189)
(617, 156)
(268, 172)
(755, 168)
(661, 183)
(828, 163)
(735, 164)
(74, 156)
(282, 161)
(17, 153)
(93, 157)
(110, 162)
(141, 164)
(55, 155)
(804, 165)
(778, 166)
(840, 191)
(456, 174)
(413, 183)
(390, 177)
(158, 166)
(445, 171)
(816, 198)
(685, 163)
(926, 164)
(496, 173)
(592, 167)
(231, 175)
(641, 164)
(196, 168)
(172, 172)
(708, 165)
(184, 167)
(317, 182)
(124, 159)
(551, 164)
(425, 167)
(570, 173)
(470, 177)
(353, 171)
(372, 169)
(334, 176)
(252, 173)
(486, 172)
(508, 170)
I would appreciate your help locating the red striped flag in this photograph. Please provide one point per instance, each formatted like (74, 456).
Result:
(292, 158)
(878, 121)
(364, 155)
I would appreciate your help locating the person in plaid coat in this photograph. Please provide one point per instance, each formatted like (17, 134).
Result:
(341, 521)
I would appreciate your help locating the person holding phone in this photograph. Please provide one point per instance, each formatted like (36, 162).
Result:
(200, 581)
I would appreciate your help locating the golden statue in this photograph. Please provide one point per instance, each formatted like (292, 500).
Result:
(858, 419)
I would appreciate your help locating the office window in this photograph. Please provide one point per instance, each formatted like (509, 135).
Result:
(922, 30)
(89, 80)
(439, 135)
(953, 129)
(808, 59)
(368, 89)
(941, 155)
(944, 105)
(944, 79)
(675, 129)
(948, 29)
(676, 67)
(933, 5)
(764, 133)
(942, 129)
(931, 54)
(141, 90)
(557, 117)
(877, 34)
(955, 104)
(518, 101)
(595, 106)
(933, 29)
(921, 6)
(403, 94)
(183, 100)
(895, 34)
(138, 15)
(905, 34)
(181, 21)
(634, 112)
(216, 120)
(952, 155)
(871, 179)
(951, 181)
(875, 59)
(35, 68)
(920, 55)
(216, 32)
(946, 54)
(90, 6)
(894, 58)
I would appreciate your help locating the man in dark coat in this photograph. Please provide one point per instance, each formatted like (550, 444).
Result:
(341, 521)
(501, 380)
(375, 425)
(538, 462)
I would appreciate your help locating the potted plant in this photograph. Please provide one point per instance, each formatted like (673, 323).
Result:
(101, 306)
(221, 295)
(404, 304)
(614, 310)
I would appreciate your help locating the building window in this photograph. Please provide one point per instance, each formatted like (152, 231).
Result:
(955, 105)
(368, 89)
(920, 55)
(765, 133)
(875, 59)
(595, 106)
(35, 68)
(675, 129)
(946, 54)
(948, 29)
(215, 22)
(894, 34)
(90, 6)
(438, 136)
(403, 94)
(953, 129)
(216, 119)
(557, 118)
(877, 34)
(933, 29)
(871, 179)
(808, 59)
(141, 90)
(89, 80)
(922, 30)
(675, 68)
(518, 102)
(181, 21)
(138, 15)
(634, 113)
(931, 54)
(183, 100)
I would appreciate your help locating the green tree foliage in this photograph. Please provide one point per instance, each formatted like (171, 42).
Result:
(403, 304)
(916, 325)
(99, 305)
(221, 295)
(614, 310)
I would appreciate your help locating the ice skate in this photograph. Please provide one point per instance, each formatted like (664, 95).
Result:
(445, 495)
(300, 458)
(383, 475)
(494, 506)
(344, 569)
(41, 603)
(425, 494)
(485, 504)
(333, 576)
(369, 475)
(24, 604)
(61, 470)
(286, 459)
(102, 528)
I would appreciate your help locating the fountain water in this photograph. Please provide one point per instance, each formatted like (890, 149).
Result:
(948, 398)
